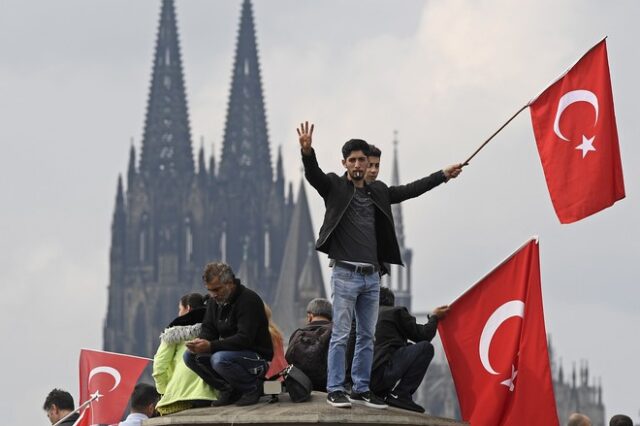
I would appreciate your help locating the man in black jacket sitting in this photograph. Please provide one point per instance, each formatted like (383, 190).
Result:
(234, 346)
(399, 366)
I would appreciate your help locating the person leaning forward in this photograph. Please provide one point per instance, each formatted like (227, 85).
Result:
(358, 234)
(234, 347)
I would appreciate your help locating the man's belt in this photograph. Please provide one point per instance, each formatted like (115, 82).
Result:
(360, 269)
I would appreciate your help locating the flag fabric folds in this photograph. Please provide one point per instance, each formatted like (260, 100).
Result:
(495, 341)
(574, 125)
(113, 376)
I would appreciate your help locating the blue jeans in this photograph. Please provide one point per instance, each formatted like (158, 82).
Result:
(228, 370)
(352, 292)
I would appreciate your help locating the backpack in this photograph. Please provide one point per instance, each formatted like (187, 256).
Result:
(308, 350)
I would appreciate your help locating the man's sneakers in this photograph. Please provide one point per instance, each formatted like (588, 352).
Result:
(230, 396)
(225, 397)
(367, 398)
(338, 399)
(250, 398)
(404, 402)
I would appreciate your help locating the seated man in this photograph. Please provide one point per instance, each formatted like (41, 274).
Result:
(309, 345)
(234, 347)
(59, 404)
(143, 404)
(399, 366)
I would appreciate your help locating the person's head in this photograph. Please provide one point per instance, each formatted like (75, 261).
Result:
(387, 298)
(578, 419)
(58, 404)
(374, 163)
(219, 280)
(190, 301)
(620, 420)
(319, 309)
(144, 399)
(354, 158)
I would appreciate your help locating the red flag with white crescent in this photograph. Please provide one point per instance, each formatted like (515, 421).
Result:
(574, 124)
(111, 377)
(495, 341)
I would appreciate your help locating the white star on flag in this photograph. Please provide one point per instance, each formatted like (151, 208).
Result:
(586, 145)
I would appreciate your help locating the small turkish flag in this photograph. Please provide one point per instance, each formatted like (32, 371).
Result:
(495, 342)
(112, 376)
(575, 129)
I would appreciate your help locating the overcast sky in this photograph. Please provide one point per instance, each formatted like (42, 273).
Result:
(74, 80)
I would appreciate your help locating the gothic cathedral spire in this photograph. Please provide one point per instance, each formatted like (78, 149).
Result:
(166, 144)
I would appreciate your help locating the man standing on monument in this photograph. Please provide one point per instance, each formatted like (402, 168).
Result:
(358, 234)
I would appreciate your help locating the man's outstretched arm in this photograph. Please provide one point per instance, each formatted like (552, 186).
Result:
(400, 193)
(312, 172)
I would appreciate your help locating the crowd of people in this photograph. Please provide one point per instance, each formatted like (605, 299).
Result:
(359, 348)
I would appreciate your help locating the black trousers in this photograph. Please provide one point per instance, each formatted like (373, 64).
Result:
(404, 372)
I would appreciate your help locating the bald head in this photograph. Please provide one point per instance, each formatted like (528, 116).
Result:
(577, 419)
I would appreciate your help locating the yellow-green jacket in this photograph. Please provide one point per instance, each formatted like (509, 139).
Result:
(176, 382)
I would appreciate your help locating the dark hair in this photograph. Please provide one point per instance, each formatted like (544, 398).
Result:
(354, 145)
(320, 307)
(62, 399)
(192, 300)
(143, 395)
(374, 151)
(620, 420)
(218, 269)
(387, 298)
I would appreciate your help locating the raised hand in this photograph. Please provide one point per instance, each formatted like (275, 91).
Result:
(304, 136)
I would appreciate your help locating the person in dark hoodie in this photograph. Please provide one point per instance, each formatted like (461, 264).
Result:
(399, 366)
(179, 386)
(57, 405)
(234, 347)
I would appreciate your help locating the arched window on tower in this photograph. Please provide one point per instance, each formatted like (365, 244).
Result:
(188, 240)
(267, 248)
(143, 241)
(223, 243)
(140, 333)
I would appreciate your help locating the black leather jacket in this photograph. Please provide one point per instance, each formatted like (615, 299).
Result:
(337, 192)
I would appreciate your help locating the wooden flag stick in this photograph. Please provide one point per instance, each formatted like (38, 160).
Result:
(466, 163)
(77, 410)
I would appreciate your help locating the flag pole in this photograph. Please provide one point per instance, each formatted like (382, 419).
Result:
(466, 163)
(87, 402)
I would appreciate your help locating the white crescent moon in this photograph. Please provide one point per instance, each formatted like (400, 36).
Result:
(513, 308)
(570, 98)
(107, 370)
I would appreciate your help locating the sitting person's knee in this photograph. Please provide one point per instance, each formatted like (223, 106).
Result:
(426, 349)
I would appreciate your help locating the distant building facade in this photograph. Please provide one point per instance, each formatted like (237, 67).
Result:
(174, 215)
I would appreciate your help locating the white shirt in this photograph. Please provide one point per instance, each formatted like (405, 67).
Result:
(134, 419)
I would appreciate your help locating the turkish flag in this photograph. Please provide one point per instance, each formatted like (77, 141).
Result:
(113, 376)
(575, 129)
(495, 342)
